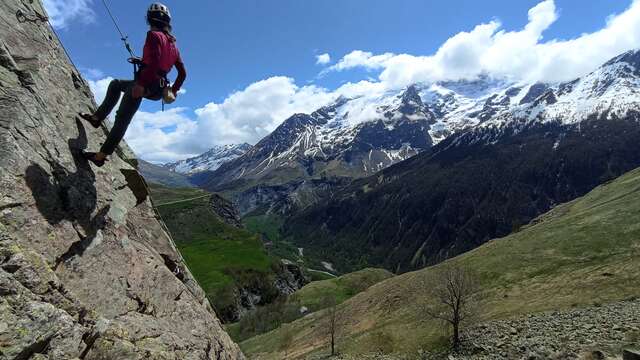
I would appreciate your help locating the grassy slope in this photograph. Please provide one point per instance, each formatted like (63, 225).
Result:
(581, 253)
(311, 295)
(219, 255)
(341, 288)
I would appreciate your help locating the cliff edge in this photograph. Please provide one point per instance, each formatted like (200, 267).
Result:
(87, 271)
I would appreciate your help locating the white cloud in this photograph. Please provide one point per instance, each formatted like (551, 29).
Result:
(323, 59)
(61, 12)
(91, 73)
(162, 136)
(250, 114)
(360, 58)
(182, 91)
(520, 55)
(99, 88)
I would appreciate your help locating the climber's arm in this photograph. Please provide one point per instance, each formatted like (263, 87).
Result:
(182, 75)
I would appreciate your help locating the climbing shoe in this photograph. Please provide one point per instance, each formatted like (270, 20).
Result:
(91, 156)
(91, 119)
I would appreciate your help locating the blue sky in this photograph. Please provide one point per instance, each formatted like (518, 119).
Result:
(242, 51)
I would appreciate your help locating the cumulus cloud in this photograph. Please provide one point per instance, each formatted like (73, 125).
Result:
(521, 55)
(62, 12)
(323, 59)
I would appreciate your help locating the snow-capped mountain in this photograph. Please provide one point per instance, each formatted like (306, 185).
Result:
(514, 151)
(611, 90)
(210, 160)
(351, 137)
(361, 136)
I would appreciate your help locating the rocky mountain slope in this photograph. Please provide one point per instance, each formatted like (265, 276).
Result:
(87, 271)
(581, 255)
(210, 160)
(328, 142)
(530, 152)
(551, 335)
(309, 152)
(357, 137)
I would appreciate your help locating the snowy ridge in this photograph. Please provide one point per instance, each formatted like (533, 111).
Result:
(210, 160)
(360, 136)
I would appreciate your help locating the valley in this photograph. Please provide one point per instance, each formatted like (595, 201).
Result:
(230, 263)
(580, 254)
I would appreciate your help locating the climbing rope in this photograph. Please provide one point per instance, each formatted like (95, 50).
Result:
(124, 38)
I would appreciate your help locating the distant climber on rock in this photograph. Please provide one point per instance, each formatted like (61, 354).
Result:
(160, 54)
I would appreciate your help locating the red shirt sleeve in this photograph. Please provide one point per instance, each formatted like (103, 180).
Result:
(182, 74)
(151, 58)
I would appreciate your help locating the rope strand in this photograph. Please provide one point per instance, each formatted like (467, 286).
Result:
(122, 36)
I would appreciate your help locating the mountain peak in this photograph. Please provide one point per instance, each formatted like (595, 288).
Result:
(411, 96)
(631, 57)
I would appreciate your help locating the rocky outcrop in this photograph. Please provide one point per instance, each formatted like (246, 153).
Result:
(86, 269)
(286, 279)
(225, 210)
(598, 332)
(290, 278)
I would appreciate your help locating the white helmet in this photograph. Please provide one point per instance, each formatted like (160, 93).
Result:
(159, 8)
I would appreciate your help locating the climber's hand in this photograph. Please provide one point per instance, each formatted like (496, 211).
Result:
(137, 91)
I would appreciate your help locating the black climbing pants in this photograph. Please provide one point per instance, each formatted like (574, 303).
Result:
(128, 108)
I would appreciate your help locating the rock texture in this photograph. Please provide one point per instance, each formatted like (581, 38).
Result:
(225, 210)
(86, 270)
(599, 332)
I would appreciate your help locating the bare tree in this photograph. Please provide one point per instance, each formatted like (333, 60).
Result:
(454, 290)
(331, 305)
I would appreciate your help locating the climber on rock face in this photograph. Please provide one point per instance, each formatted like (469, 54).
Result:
(160, 54)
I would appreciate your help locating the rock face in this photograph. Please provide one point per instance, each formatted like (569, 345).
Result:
(225, 210)
(86, 269)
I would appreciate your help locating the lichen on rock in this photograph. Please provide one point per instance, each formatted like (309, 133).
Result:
(87, 270)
